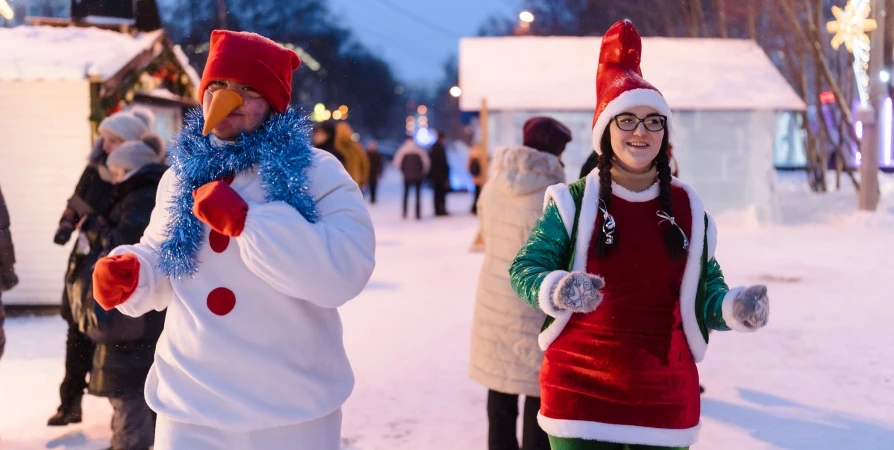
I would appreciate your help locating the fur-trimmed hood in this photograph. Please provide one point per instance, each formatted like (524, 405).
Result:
(522, 170)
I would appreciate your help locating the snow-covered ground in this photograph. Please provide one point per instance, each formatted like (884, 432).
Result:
(821, 376)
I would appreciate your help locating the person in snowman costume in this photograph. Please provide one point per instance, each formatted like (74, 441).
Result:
(255, 240)
(622, 262)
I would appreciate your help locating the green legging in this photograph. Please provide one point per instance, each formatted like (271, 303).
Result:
(557, 443)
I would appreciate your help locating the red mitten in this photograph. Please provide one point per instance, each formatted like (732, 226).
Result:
(221, 207)
(115, 279)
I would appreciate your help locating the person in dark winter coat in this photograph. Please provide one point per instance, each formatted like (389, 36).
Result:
(324, 139)
(414, 164)
(440, 175)
(8, 278)
(375, 169)
(92, 199)
(125, 346)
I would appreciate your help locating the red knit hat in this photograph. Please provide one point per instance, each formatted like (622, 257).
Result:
(619, 80)
(253, 60)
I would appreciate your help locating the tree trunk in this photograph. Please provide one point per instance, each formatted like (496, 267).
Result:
(222, 14)
(698, 16)
(752, 20)
(817, 52)
(721, 14)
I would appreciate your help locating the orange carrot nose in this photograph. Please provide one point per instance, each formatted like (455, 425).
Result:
(223, 102)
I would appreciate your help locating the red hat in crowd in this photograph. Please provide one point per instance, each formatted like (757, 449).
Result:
(546, 134)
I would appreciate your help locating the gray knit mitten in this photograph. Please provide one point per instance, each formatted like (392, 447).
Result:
(752, 307)
(578, 292)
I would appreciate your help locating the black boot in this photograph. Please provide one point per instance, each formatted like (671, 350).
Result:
(701, 389)
(65, 416)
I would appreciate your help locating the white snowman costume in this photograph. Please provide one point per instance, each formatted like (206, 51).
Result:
(252, 354)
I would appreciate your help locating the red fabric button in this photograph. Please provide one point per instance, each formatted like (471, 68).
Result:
(219, 242)
(221, 301)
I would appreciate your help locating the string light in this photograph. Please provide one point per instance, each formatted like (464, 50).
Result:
(6, 11)
(850, 27)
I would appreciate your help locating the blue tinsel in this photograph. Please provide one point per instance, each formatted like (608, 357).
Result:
(281, 150)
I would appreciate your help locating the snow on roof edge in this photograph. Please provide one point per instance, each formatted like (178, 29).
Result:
(48, 53)
(549, 73)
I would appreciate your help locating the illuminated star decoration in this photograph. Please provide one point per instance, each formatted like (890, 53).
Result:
(850, 27)
(6, 10)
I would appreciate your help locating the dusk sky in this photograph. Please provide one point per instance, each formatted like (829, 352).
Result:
(417, 49)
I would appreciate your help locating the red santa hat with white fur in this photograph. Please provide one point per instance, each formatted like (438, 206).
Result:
(619, 80)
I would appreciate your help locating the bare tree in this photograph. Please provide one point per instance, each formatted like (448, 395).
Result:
(721, 14)
(222, 14)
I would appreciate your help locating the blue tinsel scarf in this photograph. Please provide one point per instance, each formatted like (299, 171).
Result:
(280, 149)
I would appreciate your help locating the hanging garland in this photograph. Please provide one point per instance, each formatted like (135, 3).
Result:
(162, 72)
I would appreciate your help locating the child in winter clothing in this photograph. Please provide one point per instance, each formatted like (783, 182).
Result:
(623, 263)
(255, 240)
(505, 357)
(132, 156)
(8, 278)
(126, 345)
(92, 198)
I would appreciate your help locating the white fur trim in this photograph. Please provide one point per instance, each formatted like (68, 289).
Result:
(636, 197)
(564, 202)
(544, 300)
(712, 236)
(625, 101)
(626, 434)
(728, 316)
(549, 335)
(692, 273)
(586, 224)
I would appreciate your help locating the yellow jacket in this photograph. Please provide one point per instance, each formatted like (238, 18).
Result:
(356, 160)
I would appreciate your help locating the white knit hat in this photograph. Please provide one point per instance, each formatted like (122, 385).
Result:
(133, 155)
(145, 114)
(124, 124)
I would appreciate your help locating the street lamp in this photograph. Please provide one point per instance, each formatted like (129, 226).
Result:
(455, 91)
(6, 11)
(526, 17)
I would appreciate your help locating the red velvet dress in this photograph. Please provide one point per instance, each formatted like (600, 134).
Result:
(628, 362)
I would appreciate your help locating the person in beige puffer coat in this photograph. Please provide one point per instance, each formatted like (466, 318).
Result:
(505, 355)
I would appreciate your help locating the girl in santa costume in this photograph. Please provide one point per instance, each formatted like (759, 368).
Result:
(255, 240)
(622, 262)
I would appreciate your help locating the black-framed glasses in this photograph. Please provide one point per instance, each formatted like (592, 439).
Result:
(629, 122)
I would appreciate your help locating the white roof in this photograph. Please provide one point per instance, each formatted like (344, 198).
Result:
(187, 67)
(559, 73)
(67, 53)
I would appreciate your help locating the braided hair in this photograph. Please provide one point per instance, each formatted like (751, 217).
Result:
(673, 239)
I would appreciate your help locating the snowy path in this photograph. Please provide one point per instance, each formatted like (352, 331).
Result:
(821, 376)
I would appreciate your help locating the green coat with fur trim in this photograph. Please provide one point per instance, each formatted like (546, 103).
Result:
(551, 247)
